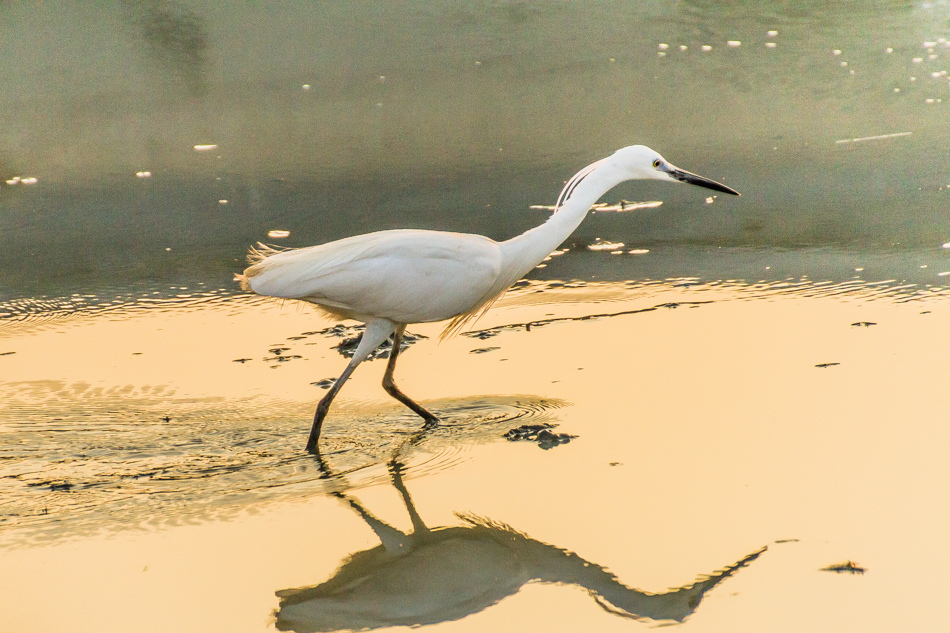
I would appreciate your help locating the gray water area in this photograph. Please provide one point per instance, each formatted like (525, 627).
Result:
(330, 120)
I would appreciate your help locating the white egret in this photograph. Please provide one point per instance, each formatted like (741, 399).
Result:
(389, 279)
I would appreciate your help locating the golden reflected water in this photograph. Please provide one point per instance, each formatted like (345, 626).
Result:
(148, 476)
(432, 575)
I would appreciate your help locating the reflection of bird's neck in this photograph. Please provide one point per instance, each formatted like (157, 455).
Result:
(555, 565)
(524, 252)
(551, 564)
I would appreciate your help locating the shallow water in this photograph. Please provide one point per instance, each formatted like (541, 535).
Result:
(754, 386)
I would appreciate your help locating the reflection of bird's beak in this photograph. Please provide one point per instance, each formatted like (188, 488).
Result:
(693, 179)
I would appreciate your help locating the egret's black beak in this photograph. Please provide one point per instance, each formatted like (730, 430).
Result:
(693, 179)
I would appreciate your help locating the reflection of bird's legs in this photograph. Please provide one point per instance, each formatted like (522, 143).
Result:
(391, 387)
(395, 472)
(377, 331)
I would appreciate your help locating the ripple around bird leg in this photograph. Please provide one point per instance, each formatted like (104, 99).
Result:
(77, 460)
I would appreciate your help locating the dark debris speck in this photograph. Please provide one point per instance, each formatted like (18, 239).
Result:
(539, 433)
(847, 567)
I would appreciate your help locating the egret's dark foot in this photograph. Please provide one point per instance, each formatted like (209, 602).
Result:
(417, 408)
(390, 385)
(312, 441)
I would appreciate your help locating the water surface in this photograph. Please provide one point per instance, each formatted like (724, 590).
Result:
(754, 385)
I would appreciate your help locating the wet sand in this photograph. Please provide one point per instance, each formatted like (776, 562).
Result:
(151, 482)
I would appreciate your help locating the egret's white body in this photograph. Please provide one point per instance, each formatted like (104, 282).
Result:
(404, 276)
(389, 279)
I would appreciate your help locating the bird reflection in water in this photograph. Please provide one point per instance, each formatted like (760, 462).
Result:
(433, 575)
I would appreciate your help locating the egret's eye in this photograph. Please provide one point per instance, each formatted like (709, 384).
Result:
(657, 163)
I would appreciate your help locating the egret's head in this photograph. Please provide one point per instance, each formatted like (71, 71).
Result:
(642, 163)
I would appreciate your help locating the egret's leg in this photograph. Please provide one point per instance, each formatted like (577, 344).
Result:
(324, 406)
(375, 333)
(391, 387)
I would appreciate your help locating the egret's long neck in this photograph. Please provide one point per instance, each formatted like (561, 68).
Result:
(521, 254)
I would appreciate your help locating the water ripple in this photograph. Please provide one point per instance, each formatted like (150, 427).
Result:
(76, 461)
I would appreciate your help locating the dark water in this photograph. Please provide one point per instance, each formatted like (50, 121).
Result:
(332, 120)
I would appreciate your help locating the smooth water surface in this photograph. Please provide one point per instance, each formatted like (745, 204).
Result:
(754, 387)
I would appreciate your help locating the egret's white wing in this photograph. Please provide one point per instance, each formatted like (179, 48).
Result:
(407, 276)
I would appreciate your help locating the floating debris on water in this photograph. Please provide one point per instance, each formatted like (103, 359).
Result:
(280, 358)
(605, 246)
(481, 334)
(352, 335)
(326, 383)
(482, 350)
(241, 360)
(823, 365)
(539, 433)
(619, 206)
(786, 540)
(492, 331)
(625, 205)
(847, 567)
(879, 137)
(863, 324)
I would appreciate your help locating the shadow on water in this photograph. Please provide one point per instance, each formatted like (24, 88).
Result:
(433, 575)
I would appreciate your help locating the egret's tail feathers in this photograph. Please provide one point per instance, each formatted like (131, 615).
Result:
(255, 257)
(457, 324)
(242, 279)
(257, 254)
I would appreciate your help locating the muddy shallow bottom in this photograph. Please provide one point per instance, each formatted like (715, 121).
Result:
(730, 444)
